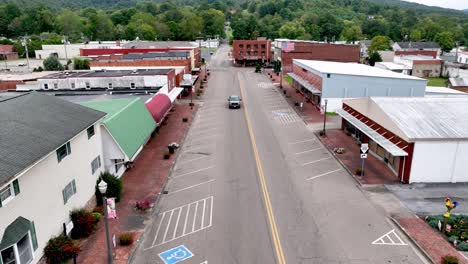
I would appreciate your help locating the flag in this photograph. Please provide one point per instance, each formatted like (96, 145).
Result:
(287, 46)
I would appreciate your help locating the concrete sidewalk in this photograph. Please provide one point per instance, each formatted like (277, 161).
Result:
(144, 181)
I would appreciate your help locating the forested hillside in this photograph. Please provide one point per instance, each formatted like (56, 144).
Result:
(46, 21)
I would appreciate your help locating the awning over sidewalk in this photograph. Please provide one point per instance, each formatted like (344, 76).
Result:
(158, 106)
(379, 139)
(174, 93)
(304, 83)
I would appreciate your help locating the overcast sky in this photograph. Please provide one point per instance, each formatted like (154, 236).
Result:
(455, 4)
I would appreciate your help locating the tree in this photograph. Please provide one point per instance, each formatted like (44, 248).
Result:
(374, 57)
(379, 43)
(351, 33)
(445, 40)
(292, 30)
(80, 64)
(416, 35)
(69, 24)
(213, 22)
(52, 64)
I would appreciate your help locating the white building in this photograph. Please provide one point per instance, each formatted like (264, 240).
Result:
(420, 139)
(334, 81)
(70, 51)
(394, 67)
(415, 45)
(462, 57)
(50, 159)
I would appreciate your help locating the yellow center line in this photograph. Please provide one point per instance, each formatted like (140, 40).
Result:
(266, 196)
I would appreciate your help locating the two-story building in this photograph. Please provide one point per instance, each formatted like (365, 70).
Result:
(251, 52)
(50, 159)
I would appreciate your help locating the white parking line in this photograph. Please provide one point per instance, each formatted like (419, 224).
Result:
(190, 187)
(192, 149)
(190, 222)
(190, 160)
(192, 172)
(310, 150)
(315, 161)
(323, 174)
(302, 141)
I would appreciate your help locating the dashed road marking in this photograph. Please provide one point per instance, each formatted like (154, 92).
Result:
(190, 160)
(323, 174)
(183, 221)
(391, 238)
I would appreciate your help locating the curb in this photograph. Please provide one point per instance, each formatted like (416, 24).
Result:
(402, 229)
(163, 186)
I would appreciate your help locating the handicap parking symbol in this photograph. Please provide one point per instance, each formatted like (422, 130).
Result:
(175, 255)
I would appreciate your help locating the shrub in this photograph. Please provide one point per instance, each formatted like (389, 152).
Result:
(185, 119)
(52, 64)
(96, 216)
(359, 171)
(143, 205)
(258, 68)
(463, 246)
(114, 187)
(60, 249)
(84, 223)
(449, 260)
(125, 239)
(434, 223)
(452, 239)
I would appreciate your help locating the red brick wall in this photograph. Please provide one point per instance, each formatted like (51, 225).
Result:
(404, 169)
(9, 85)
(312, 78)
(432, 53)
(320, 51)
(236, 48)
(143, 63)
(171, 79)
(460, 88)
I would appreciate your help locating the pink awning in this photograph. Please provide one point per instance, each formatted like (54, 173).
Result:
(158, 106)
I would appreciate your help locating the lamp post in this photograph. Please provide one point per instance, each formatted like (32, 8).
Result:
(102, 186)
(324, 116)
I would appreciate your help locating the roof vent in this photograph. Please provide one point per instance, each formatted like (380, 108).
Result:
(134, 72)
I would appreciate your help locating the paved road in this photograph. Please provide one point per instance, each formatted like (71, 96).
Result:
(258, 187)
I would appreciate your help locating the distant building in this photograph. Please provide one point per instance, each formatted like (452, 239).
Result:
(69, 51)
(421, 66)
(334, 81)
(251, 52)
(437, 91)
(462, 57)
(126, 128)
(394, 67)
(10, 80)
(420, 139)
(7, 52)
(414, 46)
(120, 80)
(50, 161)
(459, 84)
(287, 50)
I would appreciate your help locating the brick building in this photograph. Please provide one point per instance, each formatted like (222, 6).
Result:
(287, 50)
(421, 66)
(250, 52)
(7, 52)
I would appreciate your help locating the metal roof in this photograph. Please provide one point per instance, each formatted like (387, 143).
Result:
(33, 125)
(381, 140)
(427, 117)
(151, 55)
(305, 83)
(159, 44)
(347, 68)
(418, 45)
(394, 66)
(106, 73)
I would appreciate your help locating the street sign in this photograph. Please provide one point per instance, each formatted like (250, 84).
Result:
(175, 255)
(363, 156)
(364, 148)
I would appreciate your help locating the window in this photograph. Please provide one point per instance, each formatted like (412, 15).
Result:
(255, 53)
(241, 46)
(118, 163)
(88, 85)
(69, 191)
(73, 85)
(90, 131)
(328, 75)
(8, 192)
(95, 164)
(18, 253)
(263, 53)
(55, 86)
(263, 46)
(255, 46)
(240, 53)
(248, 46)
(46, 86)
(248, 53)
(132, 86)
(63, 151)
(110, 86)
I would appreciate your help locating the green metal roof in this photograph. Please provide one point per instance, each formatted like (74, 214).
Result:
(127, 120)
(15, 231)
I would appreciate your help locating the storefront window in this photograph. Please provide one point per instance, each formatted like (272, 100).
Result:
(23, 249)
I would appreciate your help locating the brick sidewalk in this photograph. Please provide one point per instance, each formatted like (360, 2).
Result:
(429, 240)
(143, 181)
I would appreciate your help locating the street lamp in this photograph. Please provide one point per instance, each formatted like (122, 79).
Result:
(102, 186)
(324, 117)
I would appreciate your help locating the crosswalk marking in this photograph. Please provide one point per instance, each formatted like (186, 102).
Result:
(265, 85)
(391, 238)
(183, 221)
(285, 116)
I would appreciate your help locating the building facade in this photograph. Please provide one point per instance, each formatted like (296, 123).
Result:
(416, 46)
(334, 81)
(7, 52)
(287, 50)
(421, 66)
(462, 57)
(251, 52)
(44, 175)
(420, 139)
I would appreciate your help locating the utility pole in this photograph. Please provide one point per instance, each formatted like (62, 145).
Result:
(324, 117)
(6, 65)
(24, 42)
(64, 40)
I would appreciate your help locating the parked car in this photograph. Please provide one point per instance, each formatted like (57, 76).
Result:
(22, 64)
(234, 101)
